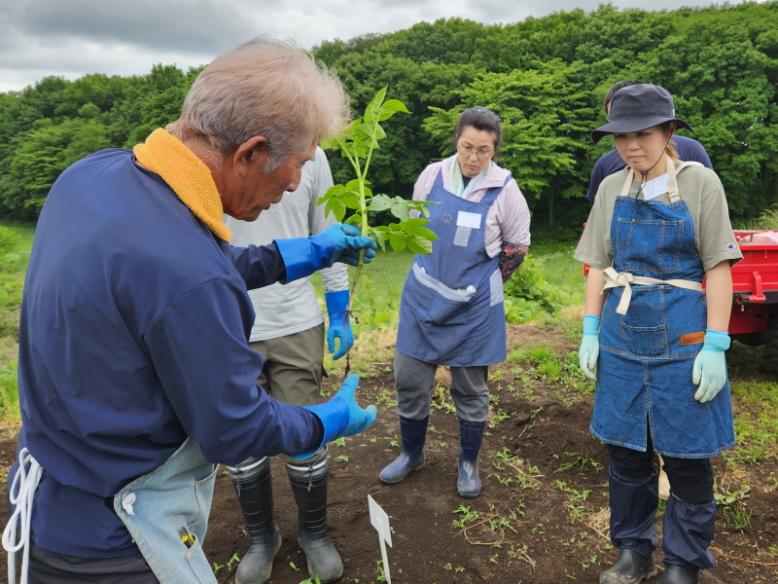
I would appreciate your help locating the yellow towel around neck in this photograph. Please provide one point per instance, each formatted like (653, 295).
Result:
(187, 175)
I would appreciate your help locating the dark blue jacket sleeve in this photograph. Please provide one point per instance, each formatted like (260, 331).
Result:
(209, 375)
(258, 265)
(598, 174)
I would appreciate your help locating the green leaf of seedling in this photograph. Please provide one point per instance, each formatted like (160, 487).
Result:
(424, 233)
(355, 219)
(351, 201)
(397, 241)
(391, 107)
(337, 209)
(380, 203)
(400, 208)
(414, 223)
(419, 245)
(373, 109)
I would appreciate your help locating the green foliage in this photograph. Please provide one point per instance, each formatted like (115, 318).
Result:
(545, 76)
(8, 240)
(768, 219)
(528, 295)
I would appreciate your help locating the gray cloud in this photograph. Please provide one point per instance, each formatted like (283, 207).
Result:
(70, 38)
(196, 26)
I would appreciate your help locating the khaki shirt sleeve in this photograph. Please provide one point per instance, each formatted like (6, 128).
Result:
(594, 246)
(717, 241)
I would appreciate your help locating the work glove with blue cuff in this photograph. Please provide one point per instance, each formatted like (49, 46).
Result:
(339, 329)
(710, 366)
(590, 345)
(340, 243)
(341, 415)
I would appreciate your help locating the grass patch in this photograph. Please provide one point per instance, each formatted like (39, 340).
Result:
(15, 246)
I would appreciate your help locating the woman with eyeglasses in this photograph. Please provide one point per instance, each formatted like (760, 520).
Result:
(452, 304)
(657, 228)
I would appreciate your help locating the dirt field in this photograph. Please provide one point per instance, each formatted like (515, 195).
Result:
(542, 516)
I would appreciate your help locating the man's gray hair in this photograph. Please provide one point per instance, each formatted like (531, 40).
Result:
(264, 87)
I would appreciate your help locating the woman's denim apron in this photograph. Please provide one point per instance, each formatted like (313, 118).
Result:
(452, 304)
(166, 513)
(646, 358)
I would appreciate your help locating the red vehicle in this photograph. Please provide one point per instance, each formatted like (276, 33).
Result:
(754, 319)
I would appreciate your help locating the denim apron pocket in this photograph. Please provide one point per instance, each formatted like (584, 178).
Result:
(644, 341)
(166, 512)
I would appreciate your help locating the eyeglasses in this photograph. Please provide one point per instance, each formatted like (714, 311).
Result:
(481, 153)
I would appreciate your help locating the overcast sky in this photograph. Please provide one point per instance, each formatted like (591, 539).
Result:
(71, 38)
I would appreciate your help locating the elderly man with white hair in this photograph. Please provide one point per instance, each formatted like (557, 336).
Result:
(135, 371)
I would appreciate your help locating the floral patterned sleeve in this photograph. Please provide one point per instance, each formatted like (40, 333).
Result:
(511, 256)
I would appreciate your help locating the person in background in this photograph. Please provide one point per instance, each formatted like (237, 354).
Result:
(135, 372)
(688, 149)
(452, 312)
(289, 333)
(658, 342)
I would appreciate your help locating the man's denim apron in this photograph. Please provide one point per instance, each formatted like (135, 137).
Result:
(166, 513)
(646, 358)
(452, 304)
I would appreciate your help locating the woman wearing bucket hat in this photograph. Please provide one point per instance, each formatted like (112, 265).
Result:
(656, 229)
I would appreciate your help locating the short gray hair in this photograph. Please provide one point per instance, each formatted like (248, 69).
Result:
(264, 87)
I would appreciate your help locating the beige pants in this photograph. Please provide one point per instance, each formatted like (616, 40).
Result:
(293, 366)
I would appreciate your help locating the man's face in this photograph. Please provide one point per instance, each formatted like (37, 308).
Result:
(251, 189)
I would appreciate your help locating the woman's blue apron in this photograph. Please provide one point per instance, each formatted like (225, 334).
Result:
(166, 513)
(645, 364)
(452, 311)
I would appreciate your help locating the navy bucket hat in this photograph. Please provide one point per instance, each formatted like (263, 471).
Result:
(639, 107)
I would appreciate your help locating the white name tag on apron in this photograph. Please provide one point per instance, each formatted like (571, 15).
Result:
(655, 187)
(470, 220)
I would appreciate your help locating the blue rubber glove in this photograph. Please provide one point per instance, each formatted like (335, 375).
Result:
(590, 345)
(337, 310)
(340, 243)
(341, 415)
(710, 366)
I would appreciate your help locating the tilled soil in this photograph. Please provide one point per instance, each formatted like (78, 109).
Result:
(542, 516)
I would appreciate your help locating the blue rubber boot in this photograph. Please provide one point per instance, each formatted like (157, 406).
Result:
(413, 433)
(470, 436)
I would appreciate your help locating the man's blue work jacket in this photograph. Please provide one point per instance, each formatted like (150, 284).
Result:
(133, 336)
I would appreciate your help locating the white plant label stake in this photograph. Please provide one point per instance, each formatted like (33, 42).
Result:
(380, 522)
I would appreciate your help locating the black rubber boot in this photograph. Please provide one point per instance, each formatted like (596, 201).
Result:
(309, 485)
(630, 568)
(414, 433)
(470, 437)
(254, 486)
(679, 575)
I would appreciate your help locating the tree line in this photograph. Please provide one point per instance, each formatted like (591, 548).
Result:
(546, 77)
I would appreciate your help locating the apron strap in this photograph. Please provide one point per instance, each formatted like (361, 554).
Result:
(672, 182)
(628, 182)
(438, 179)
(21, 495)
(614, 279)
